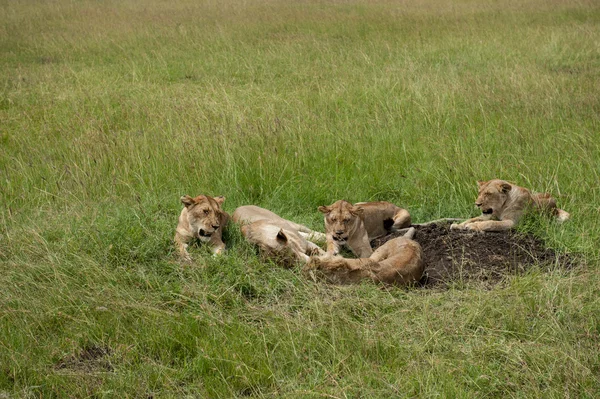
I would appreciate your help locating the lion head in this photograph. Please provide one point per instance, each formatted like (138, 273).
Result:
(204, 215)
(492, 196)
(341, 220)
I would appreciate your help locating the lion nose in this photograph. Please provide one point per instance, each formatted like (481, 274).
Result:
(339, 232)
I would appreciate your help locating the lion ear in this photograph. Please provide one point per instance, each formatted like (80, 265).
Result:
(505, 187)
(482, 183)
(324, 209)
(281, 236)
(187, 201)
(220, 199)
(357, 210)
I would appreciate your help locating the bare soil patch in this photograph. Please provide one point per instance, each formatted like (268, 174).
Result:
(90, 359)
(453, 256)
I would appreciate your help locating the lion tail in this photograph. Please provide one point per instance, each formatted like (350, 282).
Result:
(410, 233)
(546, 203)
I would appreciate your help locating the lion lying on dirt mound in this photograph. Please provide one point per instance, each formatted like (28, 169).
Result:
(503, 204)
(356, 225)
(201, 218)
(397, 262)
(278, 239)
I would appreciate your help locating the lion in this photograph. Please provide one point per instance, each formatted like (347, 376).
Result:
(201, 218)
(253, 213)
(278, 239)
(397, 262)
(503, 204)
(356, 225)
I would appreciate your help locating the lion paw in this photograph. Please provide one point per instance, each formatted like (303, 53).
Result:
(313, 252)
(475, 227)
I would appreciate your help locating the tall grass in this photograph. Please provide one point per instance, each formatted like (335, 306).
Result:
(110, 111)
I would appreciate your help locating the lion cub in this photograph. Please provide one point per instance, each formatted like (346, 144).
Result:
(278, 239)
(503, 204)
(356, 225)
(397, 262)
(201, 218)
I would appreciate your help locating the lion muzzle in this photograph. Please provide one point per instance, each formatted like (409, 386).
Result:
(205, 234)
(340, 238)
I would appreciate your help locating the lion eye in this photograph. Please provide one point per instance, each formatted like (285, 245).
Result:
(206, 211)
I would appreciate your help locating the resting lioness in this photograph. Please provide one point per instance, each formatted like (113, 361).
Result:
(503, 204)
(356, 225)
(278, 239)
(398, 262)
(201, 218)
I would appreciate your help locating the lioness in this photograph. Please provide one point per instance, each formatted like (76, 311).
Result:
(503, 204)
(252, 213)
(201, 218)
(278, 239)
(397, 262)
(356, 225)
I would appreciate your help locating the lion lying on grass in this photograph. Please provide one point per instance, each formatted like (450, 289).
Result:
(356, 225)
(201, 218)
(278, 239)
(503, 204)
(397, 262)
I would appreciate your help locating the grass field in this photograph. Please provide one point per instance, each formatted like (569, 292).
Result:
(110, 111)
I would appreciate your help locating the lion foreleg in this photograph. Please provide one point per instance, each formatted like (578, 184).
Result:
(463, 225)
(491, 225)
(217, 245)
(361, 246)
(182, 244)
(314, 249)
(333, 247)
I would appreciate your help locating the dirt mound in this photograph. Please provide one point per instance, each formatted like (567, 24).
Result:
(455, 256)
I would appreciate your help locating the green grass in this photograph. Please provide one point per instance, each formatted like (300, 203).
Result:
(110, 111)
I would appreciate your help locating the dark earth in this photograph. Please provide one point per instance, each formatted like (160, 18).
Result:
(89, 359)
(455, 256)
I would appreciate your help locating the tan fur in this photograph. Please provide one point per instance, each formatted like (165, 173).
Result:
(253, 213)
(201, 218)
(503, 204)
(356, 225)
(397, 262)
(278, 239)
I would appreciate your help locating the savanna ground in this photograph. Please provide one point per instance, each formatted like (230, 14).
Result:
(110, 111)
